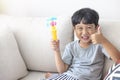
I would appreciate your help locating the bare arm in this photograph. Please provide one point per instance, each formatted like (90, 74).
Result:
(61, 66)
(109, 47)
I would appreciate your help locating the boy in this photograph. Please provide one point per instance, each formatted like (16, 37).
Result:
(83, 59)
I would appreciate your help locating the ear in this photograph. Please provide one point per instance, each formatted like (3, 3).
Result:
(97, 26)
(74, 28)
(99, 30)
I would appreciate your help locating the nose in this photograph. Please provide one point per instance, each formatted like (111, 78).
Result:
(84, 32)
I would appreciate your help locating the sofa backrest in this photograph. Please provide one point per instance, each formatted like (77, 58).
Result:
(111, 30)
(33, 38)
(12, 66)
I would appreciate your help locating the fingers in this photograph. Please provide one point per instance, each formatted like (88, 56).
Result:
(55, 44)
(94, 42)
(97, 37)
(93, 39)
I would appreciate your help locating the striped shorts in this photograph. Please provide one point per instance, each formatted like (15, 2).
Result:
(62, 77)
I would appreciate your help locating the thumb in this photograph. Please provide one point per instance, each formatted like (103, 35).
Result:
(99, 30)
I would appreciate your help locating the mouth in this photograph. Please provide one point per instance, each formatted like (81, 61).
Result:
(86, 38)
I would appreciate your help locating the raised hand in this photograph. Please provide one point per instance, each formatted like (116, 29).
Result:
(55, 45)
(97, 38)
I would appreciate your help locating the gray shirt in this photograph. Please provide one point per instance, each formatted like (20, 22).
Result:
(84, 63)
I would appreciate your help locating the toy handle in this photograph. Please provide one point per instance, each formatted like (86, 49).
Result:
(54, 33)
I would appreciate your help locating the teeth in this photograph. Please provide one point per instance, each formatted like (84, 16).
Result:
(85, 37)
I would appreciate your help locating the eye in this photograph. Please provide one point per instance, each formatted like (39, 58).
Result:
(80, 28)
(90, 27)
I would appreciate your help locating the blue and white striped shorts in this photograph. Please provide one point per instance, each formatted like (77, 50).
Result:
(62, 77)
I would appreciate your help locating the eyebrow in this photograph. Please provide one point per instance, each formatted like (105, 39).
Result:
(85, 24)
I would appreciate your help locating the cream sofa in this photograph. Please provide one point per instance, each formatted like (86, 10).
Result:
(25, 52)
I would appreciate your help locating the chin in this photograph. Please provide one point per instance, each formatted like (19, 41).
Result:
(86, 41)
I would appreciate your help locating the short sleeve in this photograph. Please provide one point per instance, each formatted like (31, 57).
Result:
(67, 55)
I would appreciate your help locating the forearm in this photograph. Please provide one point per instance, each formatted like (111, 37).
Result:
(111, 49)
(61, 66)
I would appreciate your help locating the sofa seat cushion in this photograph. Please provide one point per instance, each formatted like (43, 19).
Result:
(34, 75)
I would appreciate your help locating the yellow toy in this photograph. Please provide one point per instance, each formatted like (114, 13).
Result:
(52, 24)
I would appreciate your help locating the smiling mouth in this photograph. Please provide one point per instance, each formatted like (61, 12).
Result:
(85, 37)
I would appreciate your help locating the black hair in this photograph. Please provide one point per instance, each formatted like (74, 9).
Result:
(86, 16)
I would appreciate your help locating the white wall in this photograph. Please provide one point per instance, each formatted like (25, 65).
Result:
(108, 9)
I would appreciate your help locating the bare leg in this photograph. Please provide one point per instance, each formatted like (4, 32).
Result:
(47, 75)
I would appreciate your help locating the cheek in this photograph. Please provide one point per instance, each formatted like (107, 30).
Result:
(78, 34)
(92, 32)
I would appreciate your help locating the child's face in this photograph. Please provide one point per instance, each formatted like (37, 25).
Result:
(84, 31)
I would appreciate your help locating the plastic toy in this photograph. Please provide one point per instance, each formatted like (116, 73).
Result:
(52, 24)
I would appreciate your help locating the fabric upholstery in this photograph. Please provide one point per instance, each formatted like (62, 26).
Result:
(12, 65)
(33, 37)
